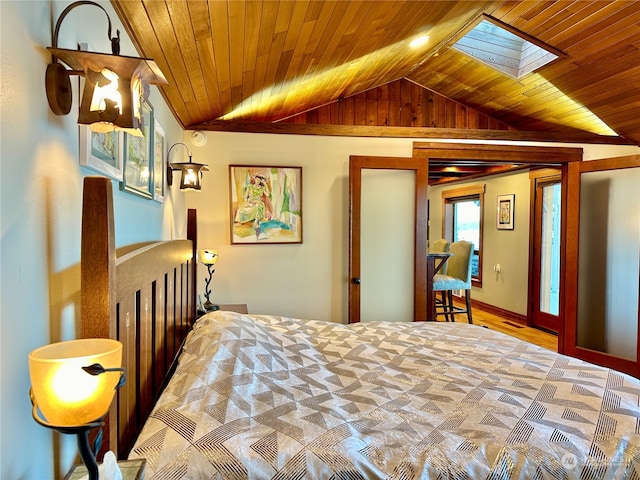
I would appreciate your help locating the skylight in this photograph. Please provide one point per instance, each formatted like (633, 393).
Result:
(504, 48)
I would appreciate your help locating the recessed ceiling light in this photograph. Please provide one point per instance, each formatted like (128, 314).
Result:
(419, 41)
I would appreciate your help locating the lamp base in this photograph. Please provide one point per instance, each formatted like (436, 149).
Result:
(210, 307)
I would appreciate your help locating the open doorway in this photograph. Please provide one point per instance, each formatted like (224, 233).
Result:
(501, 160)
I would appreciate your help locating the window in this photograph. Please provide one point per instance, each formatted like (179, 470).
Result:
(462, 220)
(506, 49)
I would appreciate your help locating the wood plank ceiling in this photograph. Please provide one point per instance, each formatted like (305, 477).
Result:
(234, 62)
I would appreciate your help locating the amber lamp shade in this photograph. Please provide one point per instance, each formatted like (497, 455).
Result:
(67, 395)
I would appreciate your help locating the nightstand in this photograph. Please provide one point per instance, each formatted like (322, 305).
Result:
(231, 307)
(235, 307)
(131, 470)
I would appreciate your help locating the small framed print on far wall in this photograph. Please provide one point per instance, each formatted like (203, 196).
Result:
(505, 212)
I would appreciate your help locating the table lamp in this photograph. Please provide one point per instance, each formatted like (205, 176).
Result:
(72, 387)
(209, 258)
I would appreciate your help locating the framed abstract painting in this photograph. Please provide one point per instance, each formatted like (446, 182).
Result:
(266, 204)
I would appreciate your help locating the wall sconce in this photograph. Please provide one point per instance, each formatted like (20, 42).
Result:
(209, 258)
(115, 86)
(72, 386)
(191, 172)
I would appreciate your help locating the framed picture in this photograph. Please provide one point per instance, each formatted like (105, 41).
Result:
(138, 158)
(266, 204)
(505, 211)
(102, 152)
(159, 162)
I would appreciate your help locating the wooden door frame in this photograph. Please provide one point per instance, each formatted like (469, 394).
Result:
(420, 166)
(525, 157)
(568, 341)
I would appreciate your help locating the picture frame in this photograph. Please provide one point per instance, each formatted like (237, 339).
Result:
(266, 204)
(137, 176)
(102, 152)
(505, 211)
(159, 162)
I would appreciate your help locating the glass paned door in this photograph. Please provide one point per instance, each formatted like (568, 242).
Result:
(550, 250)
(601, 305)
(546, 252)
(609, 262)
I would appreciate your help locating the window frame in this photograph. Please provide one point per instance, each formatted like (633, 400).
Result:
(449, 198)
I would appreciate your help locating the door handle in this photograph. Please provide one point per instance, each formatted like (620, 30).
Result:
(355, 280)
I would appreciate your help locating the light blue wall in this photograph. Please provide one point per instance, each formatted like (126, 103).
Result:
(40, 218)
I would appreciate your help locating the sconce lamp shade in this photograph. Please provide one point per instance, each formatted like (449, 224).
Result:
(208, 257)
(191, 172)
(115, 86)
(66, 394)
(191, 175)
(124, 78)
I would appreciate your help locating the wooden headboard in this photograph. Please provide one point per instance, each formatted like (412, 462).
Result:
(143, 295)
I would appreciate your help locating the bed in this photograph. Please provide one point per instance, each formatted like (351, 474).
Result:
(263, 396)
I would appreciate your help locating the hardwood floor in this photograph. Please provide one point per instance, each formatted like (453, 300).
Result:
(494, 322)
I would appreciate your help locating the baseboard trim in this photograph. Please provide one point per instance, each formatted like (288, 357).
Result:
(501, 312)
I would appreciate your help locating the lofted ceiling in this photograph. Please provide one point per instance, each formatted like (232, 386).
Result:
(236, 62)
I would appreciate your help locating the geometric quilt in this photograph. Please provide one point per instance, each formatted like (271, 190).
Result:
(267, 397)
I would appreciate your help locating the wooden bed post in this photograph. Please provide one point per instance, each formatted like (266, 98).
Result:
(98, 260)
(192, 234)
(97, 277)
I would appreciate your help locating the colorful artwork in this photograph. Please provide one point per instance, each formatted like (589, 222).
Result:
(266, 204)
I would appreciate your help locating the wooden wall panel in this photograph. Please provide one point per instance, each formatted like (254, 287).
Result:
(398, 104)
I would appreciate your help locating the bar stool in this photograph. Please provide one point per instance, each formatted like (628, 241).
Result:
(440, 246)
(457, 277)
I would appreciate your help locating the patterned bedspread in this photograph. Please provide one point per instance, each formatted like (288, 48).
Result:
(265, 397)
